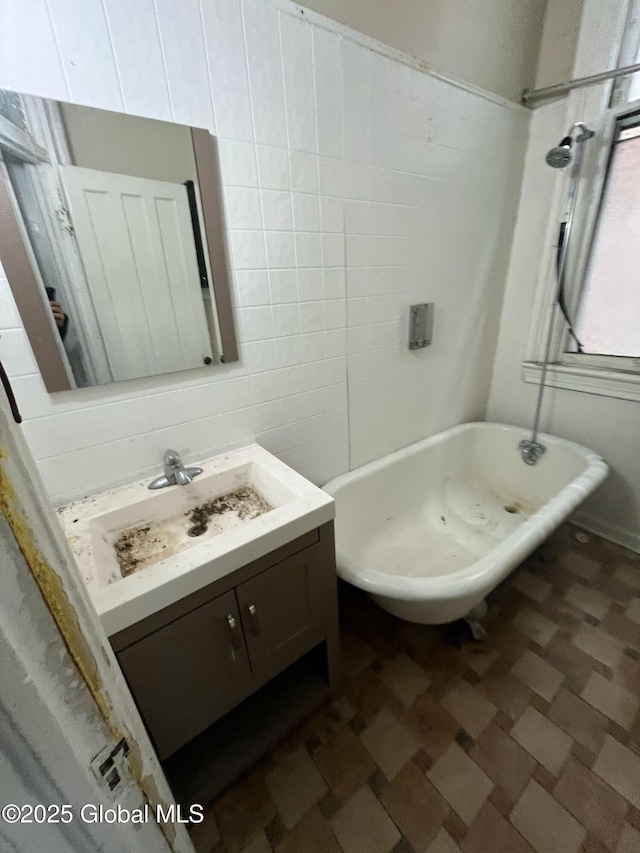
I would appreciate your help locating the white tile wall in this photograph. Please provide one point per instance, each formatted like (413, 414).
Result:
(354, 185)
(428, 218)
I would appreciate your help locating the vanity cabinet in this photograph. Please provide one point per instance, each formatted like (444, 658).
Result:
(192, 662)
(281, 616)
(189, 673)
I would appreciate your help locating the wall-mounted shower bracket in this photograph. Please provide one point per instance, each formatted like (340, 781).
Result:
(421, 325)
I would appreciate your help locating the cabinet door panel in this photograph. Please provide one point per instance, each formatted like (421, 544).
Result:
(189, 673)
(279, 614)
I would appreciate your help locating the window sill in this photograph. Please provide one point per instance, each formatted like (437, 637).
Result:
(590, 380)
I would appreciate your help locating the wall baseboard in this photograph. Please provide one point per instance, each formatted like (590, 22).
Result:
(617, 535)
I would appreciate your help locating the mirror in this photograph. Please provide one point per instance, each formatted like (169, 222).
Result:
(111, 237)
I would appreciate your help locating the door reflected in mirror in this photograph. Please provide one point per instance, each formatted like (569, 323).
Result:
(120, 219)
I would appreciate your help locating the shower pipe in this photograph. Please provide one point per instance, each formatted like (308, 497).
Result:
(529, 96)
(558, 158)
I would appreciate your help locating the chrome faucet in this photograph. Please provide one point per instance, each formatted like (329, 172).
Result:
(531, 450)
(175, 474)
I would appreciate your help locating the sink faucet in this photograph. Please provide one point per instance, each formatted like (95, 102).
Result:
(175, 474)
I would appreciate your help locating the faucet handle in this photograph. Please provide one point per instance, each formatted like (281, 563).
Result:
(172, 457)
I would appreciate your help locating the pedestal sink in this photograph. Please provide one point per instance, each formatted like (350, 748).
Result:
(134, 547)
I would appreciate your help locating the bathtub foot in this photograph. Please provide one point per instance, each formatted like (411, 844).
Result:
(473, 618)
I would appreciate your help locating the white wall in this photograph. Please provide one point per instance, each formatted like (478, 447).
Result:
(490, 43)
(607, 425)
(354, 185)
(557, 53)
(444, 238)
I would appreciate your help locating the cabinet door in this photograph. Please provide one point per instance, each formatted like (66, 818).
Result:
(190, 672)
(279, 614)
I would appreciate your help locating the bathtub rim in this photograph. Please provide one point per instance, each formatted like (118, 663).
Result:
(488, 571)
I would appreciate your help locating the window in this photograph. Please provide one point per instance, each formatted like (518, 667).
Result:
(602, 287)
(608, 317)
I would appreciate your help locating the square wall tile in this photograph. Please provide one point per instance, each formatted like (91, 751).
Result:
(283, 285)
(310, 285)
(285, 320)
(273, 168)
(304, 172)
(308, 250)
(277, 211)
(234, 119)
(280, 249)
(238, 163)
(332, 214)
(252, 287)
(269, 121)
(306, 212)
(256, 323)
(311, 316)
(248, 250)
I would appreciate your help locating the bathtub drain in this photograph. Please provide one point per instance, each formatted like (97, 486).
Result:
(512, 509)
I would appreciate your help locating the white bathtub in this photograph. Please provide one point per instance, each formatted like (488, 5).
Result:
(427, 531)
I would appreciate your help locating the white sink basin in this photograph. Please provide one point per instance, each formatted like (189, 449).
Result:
(169, 564)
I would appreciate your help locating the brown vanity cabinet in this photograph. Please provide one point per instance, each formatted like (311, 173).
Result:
(192, 662)
(189, 673)
(280, 614)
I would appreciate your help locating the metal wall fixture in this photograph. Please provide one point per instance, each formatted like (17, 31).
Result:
(559, 158)
(530, 96)
(421, 325)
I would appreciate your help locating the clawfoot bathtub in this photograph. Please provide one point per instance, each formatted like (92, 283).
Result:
(429, 530)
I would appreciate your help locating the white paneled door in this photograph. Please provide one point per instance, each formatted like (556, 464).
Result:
(136, 242)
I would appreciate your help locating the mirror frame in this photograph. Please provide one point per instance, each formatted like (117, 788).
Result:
(23, 280)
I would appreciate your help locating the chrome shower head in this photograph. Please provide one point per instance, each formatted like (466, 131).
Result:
(560, 156)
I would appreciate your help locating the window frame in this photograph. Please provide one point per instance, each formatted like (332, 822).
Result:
(616, 121)
(609, 375)
(601, 106)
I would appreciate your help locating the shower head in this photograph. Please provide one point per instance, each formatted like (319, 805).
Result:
(561, 155)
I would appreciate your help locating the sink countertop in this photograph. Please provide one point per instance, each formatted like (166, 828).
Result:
(123, 601)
